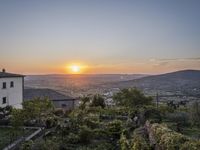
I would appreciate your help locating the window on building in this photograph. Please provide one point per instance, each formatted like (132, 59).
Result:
(64, 105)
(4, 100)
(11, 84)
(4, 85)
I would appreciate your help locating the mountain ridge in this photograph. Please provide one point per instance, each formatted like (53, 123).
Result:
(183, 81)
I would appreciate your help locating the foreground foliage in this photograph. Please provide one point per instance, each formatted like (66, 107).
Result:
(170, 140)
(93, 126)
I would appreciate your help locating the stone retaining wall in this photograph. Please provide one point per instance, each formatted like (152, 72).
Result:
(17, 142)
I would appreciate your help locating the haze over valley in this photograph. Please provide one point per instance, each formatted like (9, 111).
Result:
(181, 83)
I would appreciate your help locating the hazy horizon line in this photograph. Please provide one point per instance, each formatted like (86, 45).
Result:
(45, 74)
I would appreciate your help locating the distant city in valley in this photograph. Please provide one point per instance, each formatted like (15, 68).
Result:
(180, 85)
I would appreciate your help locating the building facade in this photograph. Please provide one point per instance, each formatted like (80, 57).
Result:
(11, 89)
(58, 99)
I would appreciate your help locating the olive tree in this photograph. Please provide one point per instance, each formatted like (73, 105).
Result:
(131, 97)
(37, 109)
(98, 100)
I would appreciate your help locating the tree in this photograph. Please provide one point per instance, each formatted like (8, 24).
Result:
(131, 97)
(195, 113)
(37, 108)
(98, 100)
(17, 118)
(84, 101)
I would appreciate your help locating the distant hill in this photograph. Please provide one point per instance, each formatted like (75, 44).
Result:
(76, 84)
(185, 81)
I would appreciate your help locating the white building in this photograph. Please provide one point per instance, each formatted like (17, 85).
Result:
(11, 89)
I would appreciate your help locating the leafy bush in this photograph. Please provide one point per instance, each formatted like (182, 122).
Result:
(51, 122)
(28, 145)
(158, 130)
(72, 138)
(100, 146)
(104, 146)
(179, 117)
(85, 135)
(46, 145)
(38, 109)
(100, 134)
(98, 100)
(195, 113)
(115, 128)
(172, 140)
(191, 145)
(59, 112)
(139, 143)
(17, 118)
(151, 113)
(92, 124)
(124, 142)
(164, 109)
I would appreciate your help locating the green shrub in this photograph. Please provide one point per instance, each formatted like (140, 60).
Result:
(51, 122)
(100, 134)
(191, 145)
(124, 143)
(166, 109)
(151, 113)
(139, 143)
(85, 135)
(195, 113)
(98, 101)
(131, 97)
(115, 128)
(91, 122)
(28, 145)
(46, 145)
(101, 146)
(72, 138)
(59, 112)
(179, 117)
(172, 140)
(158, 130)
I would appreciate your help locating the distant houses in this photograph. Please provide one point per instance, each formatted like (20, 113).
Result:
(59, 100)
(11, 89)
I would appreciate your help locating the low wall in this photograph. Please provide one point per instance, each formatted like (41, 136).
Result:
(17, 142)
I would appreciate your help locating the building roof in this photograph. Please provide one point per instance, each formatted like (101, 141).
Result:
(9, 75)
(30, 94)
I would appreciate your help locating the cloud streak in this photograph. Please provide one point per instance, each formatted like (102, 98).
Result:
(176, 59)
(167, 62)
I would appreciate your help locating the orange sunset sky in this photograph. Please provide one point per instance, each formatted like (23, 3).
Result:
(99, 37)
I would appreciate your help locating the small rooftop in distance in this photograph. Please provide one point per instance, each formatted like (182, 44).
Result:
(5, 74)
(30, 94)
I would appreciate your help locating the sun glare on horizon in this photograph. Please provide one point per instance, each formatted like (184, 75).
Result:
(75, 68)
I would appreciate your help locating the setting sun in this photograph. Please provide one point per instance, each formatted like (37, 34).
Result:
(75, 69)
